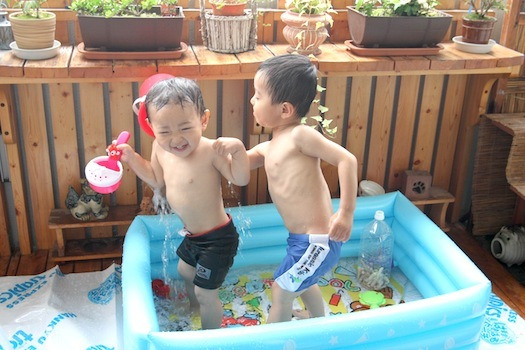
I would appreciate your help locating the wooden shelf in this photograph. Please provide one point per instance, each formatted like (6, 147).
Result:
(438, 201)
(85, 249)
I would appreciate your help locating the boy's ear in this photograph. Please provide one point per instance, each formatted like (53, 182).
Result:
(205, 119)
(287, 110)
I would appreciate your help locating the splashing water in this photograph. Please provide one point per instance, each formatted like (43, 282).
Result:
(242, 223)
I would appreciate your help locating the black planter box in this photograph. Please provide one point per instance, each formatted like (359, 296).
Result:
(131, 33)
(399, 31)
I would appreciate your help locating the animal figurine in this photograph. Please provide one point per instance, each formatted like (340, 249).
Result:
(87, 205)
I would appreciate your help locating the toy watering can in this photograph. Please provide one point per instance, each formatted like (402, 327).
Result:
(104, 173)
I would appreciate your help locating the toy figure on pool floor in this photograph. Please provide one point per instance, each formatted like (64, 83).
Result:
(285, 87)
(189, 167)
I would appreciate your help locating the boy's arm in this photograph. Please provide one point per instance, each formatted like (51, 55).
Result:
(233, 164)
(148, 171)
(256, 155)
(312, 143)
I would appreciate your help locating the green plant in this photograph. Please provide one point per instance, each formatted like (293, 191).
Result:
(30, 8)
(479, 8)
(320, 123)
(389, 8)
(111, 8)
(309, 7)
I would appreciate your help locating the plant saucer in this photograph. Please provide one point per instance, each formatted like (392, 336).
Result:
(472, 48)
(35, 54)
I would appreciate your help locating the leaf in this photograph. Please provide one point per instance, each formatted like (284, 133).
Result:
(322, 109)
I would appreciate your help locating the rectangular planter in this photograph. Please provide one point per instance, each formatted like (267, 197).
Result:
(399, 31)
(131, 33)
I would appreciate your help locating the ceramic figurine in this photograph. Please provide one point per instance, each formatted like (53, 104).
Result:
(88, 205)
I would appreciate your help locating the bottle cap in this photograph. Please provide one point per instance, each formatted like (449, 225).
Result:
(380, 215)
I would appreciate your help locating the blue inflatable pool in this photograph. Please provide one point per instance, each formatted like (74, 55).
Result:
(450, 315)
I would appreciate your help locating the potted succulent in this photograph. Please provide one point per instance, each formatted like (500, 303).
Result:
(397, 23)
(306, 25)
(477, 26)
(33, 28)
(228, 7)
(129, 25)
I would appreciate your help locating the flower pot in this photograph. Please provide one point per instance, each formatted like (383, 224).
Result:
(33, 33)
(477, 31)
(132, 33)
(303, 32)
(228, 9)
(397, 31)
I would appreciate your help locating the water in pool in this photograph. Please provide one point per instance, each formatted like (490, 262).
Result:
(246, 296)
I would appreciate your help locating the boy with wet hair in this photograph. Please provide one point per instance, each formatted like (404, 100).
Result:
(285, 87)
(189, 167)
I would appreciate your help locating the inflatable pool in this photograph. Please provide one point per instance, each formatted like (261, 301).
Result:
(450, 315)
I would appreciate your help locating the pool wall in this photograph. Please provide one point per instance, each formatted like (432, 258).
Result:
(450, 315)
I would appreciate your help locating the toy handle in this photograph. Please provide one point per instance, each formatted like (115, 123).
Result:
(123, 137)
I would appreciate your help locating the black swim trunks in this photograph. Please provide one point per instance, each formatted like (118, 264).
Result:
(211, 254)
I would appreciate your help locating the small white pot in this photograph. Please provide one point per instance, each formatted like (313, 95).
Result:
(509, 245)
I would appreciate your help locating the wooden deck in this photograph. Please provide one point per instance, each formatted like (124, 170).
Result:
(503, 284)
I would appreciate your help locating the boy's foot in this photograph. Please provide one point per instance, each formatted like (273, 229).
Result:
(300, 314)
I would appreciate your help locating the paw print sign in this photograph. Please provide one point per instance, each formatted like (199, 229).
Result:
(416, 184)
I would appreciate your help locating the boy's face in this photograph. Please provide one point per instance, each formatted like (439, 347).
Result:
(265, 113)
(178, 130)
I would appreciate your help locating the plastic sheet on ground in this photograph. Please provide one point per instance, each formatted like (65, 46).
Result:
(57, 311)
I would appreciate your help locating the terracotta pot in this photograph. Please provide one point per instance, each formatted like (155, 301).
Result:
(397, 31)
(149, 33)
(477, 31)
(301, 33)
(33, 33)
(229, 9)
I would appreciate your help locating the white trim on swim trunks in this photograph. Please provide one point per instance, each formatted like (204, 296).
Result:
(292, 279)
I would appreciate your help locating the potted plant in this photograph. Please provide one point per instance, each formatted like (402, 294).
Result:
(306, 25)
(228, 7)
(33, 28)
(128, 25)
(229, 30)
(397, 23)
(476, 24)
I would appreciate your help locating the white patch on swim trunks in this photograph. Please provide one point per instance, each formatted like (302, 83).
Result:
(305, 267)
(202, 272)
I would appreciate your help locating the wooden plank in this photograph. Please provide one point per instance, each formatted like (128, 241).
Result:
(215, 64)
(91, 249)
(404, 129)
(80, 67)
(446, 60)
(13, 264)
(37, 159)
(10, 65)
(134, 68)
(55, 67)
(251, 60)
(512, 123)
(437, 195)
(372, 63)
(122, 117)
(506, 57)
(334, 58)
(380, 135)
(4, 263)
(33, 264)
(88, 266)
(473, 60)
(186, 66)
(119, 215)
(449, 130)
(410, 63)
(64, 130)
(210, 96)
(428, 118)
(358, 118)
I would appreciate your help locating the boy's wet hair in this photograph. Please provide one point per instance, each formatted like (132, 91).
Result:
(290, 78)
(180, 91)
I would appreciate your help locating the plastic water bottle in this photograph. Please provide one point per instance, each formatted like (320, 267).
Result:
(374, 263)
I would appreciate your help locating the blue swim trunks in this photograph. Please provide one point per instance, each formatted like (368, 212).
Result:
(308, 258)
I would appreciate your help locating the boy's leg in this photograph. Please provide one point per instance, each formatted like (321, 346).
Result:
(187, 272)
(282, 302)
(210, 307)
(313, 300)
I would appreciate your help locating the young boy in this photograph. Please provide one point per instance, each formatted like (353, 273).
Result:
(189, 167)
(285, 87)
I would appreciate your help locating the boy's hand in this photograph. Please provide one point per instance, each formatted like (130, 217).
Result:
(127, 152)
(228, 145)
(340, 226)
